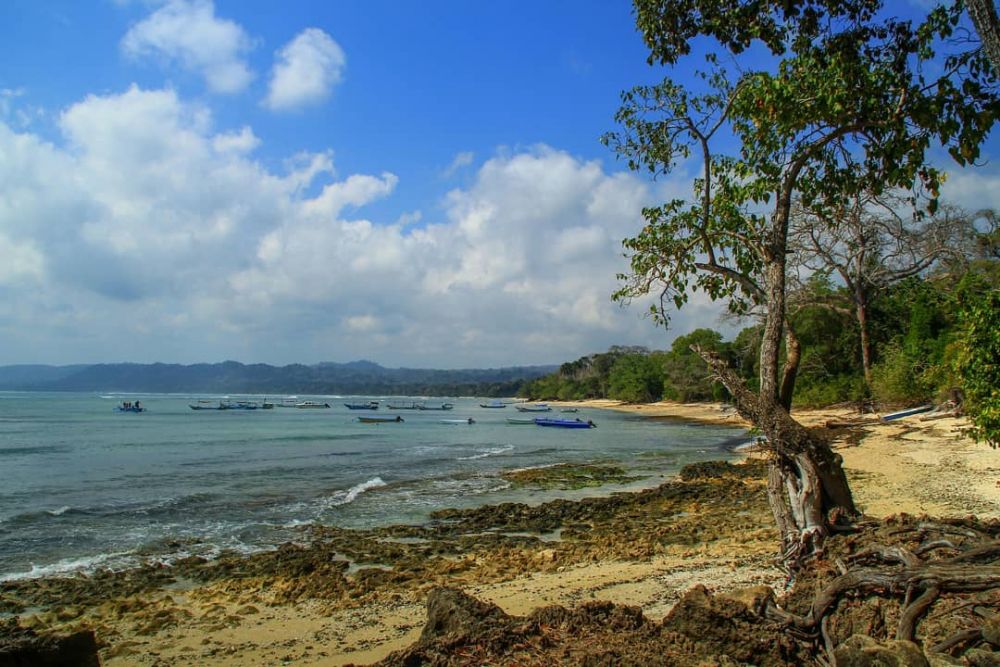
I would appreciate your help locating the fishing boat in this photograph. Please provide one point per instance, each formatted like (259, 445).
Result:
(520, 421)
(311, 404)
(364, 405)
(467, 420)
(565, 423)
(129, 406)
(493, 404)
(439, 406)
(906, 413)
(379, 420)
(537, 407)
(404, 405)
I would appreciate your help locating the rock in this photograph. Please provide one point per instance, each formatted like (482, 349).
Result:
(23, 647)
(942, 660)
(977, 657)
(991, 630)
(863, 651)
(450, 611)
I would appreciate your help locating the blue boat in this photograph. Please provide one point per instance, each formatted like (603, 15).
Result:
(906, 413)
(565, 423)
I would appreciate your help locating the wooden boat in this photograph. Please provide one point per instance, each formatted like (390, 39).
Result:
(907, 413)
(311, 404)
(441, 406)
(565, 423)
(404, 405)
(493, 404)
(520, 421)
(538, 407)
(366, 405)
(467, 420)
(379, 420)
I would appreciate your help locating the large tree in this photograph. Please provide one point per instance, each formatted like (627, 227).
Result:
(832, 99)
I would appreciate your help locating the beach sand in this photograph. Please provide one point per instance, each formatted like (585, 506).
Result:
(902, 466)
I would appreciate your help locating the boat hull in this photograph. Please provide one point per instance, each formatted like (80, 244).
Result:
(380, 420)
(565, 423)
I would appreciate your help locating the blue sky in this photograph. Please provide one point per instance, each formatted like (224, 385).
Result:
(418, 184)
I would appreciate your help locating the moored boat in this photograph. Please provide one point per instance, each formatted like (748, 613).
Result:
(363, 405)
(565, 423)
(311, 404)
(403, 405)
(537, 407)
(493, 404)
(379, 420)
(439, 406)
(467, 420)
(209, 405)
(521, 421)
(569, 410)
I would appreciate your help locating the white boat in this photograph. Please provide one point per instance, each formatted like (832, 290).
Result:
(520, 421)
(537, 407)
(468, 420)
(311, 404)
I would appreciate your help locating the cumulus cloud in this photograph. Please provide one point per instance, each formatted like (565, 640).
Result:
(188, 33)
(307, 69)
(152, 235)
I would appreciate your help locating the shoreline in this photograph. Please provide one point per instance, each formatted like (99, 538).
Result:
(302, 605)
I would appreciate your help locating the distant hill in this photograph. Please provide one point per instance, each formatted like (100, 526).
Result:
(357, 377)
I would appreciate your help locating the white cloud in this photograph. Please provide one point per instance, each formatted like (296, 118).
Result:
(306, 71)
(152, 235)
(463, 159)
(188, 33)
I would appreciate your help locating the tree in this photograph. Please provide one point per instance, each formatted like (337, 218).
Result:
(979, 365)
(685, 374)
(984, 16)
(845, 104)
(870, 245)
(635, 378)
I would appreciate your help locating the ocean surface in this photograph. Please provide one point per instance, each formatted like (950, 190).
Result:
(83, 486)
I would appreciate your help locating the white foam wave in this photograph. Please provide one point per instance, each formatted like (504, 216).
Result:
(69, 565)
(496, 451)
(59, 512)
(349, 496)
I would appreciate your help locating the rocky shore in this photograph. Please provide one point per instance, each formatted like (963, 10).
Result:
(616, 567)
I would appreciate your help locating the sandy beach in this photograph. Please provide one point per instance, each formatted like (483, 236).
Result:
(307, 606)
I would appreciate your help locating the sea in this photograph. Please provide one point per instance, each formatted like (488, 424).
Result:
(83, 486)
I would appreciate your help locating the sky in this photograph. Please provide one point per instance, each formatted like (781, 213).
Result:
(414, 183)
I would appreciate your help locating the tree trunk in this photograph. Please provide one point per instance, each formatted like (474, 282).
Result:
(793, 355)
(807, 486)
(866, 343)
(984, 17)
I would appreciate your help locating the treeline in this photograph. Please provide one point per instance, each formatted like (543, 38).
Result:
(930, 338)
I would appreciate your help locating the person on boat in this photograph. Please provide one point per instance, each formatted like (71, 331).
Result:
(138, 405)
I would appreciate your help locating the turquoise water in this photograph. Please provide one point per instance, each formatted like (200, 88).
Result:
(84, 486)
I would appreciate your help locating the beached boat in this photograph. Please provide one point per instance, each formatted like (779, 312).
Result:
(404, 405)
(565, 423)
(467, 420)
(537, 407)
(379, 420)
(907, 413)
(365, 405)
(439, 406)
(311, 404)
(493, 404)
(521, 421)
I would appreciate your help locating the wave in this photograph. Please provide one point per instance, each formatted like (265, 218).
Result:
(59, 512)
(70, 565)
(349, 496)
(496, 451)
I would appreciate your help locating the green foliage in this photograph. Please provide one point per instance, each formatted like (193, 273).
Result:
(635, 378)
(979, 364)
(685, 374)
(898, 378)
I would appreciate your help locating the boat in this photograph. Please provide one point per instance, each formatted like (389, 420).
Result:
(906, 413)
(520, 421)
(288, 402)
(266, 406)
(537, 407)
(570, 410)
(404, 405)
(209, 405)
(366, 405)
(565, 423)
(242, 405)
(129, 406)
(311, 404)
(493, 404)
(467, 420)
(379, 420)
(440, 406)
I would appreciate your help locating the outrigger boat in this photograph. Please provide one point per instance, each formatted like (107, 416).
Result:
(537, 407)
(379, 420)
(565, 423)
(366, 405)
(441, 406)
